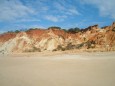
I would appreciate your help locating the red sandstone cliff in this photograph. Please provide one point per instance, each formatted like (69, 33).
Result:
(92, 37)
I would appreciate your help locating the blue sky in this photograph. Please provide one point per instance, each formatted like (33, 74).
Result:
(19, 14)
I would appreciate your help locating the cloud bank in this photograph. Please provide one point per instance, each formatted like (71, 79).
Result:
(51, 10)
(13, 9)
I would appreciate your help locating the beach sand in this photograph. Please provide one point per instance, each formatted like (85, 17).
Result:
(87, 69)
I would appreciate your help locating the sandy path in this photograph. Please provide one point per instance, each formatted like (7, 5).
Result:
(63, 70)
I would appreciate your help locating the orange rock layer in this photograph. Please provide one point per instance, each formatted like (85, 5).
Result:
(92, 37)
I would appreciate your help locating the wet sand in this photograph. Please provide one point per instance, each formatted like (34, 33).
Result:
(88, 69)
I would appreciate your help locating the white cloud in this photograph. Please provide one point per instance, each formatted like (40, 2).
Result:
(52, 18)
(28, 20)
(12, 9)
(59, 6)
(73, 11)
(55, 18)
(39, 6)
(65, 8)
(28, 9)
(106, 8)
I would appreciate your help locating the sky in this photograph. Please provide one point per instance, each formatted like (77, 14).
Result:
(23, 14)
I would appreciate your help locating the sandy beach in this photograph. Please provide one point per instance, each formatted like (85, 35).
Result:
(88, 69)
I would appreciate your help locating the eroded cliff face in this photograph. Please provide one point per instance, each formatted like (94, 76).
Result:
(19, 43)
(38, 40)
(50, 40)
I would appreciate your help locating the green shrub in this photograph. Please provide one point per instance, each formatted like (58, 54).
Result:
(74, 30)
(54, 27)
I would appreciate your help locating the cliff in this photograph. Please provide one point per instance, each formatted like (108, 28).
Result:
(91, 38)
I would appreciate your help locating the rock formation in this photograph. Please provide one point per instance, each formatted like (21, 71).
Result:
(53, 39)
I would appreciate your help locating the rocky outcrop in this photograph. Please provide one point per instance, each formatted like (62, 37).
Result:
(18, 44)
(38, 40)
(50, 42)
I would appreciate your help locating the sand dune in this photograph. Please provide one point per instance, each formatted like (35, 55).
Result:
(90, 69)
